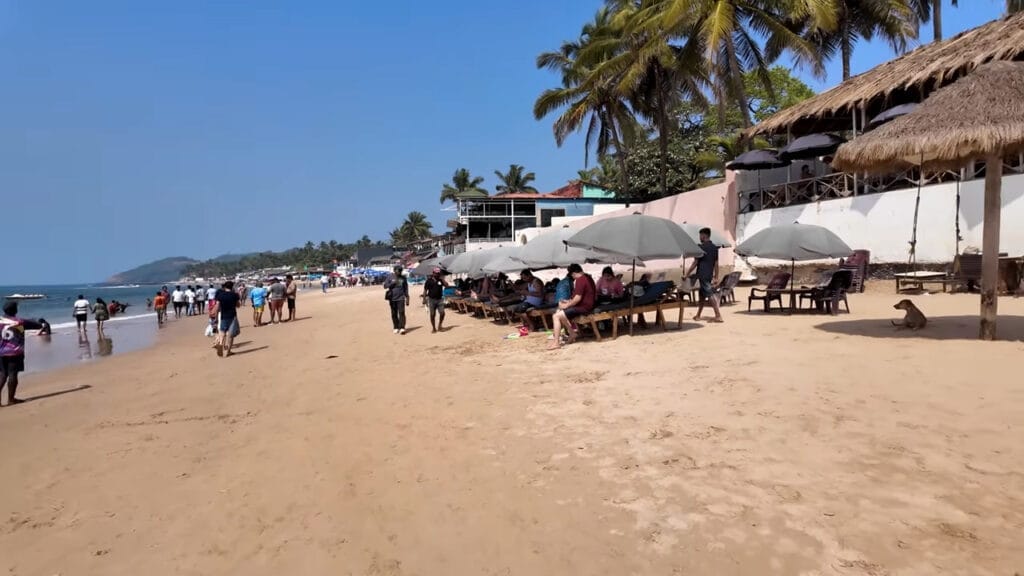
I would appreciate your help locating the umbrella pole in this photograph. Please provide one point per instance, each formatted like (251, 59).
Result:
(633, 281)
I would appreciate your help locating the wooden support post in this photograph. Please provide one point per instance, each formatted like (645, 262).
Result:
(990, 245)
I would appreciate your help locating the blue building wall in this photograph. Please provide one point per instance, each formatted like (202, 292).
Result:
(581, 207)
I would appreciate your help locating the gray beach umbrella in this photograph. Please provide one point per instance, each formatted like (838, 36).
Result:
(811, 146)
(892, 114)
(472, 263)
(549, 251)
(504, 263)
(426, 267)
(638, 237)
(794, 242)
(446, 261)
(757, 160)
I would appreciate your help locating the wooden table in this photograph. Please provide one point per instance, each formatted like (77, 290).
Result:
(793, 293)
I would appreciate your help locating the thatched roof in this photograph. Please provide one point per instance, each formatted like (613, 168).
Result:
(980, 114)
(909, 78)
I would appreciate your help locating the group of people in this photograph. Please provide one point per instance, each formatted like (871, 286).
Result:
(191, 301)
(100, 309)
(574, 295)
(275, 295)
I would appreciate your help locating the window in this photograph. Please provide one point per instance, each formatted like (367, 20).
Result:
(547, 214)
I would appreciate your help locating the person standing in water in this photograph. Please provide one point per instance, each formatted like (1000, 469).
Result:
(397, 294)
(101, 314)
(160, 305)
(81, 312)
(291, 290)
(12, 349)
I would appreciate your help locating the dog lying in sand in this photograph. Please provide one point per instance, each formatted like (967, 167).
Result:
(914, 318)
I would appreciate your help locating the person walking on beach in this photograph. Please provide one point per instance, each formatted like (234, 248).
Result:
(12, 349)
(396, 292)
(227, 306)
(277, 296)
(100, 314)
(323, 283)
(178, 299)
(584, 294)
(200, 300)
(291, 290)
(707, 273)
(211, 293)
(160, 305)
(190, 301)
(81, 312)
(258, 297)
(433, 291)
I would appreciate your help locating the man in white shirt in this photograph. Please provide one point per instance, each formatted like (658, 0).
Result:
(190, 300)
(81, 312)
(178, 299)
(211, 294)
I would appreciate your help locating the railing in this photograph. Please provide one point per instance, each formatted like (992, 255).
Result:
(843, 185)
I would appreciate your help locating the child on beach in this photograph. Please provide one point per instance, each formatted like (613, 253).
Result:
(12, 349)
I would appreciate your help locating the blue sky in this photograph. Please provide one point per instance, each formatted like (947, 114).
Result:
(131, 131)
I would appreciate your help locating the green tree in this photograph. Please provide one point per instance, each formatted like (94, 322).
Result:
(515, 180)
(587, 99)
(462, 183)
(726, 33)
(364, 242)
(416, 226)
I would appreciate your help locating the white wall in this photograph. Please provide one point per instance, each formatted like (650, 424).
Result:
(883, 223)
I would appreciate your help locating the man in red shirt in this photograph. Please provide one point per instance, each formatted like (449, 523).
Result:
(580, 304)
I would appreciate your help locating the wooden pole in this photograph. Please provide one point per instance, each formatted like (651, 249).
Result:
(990, 245)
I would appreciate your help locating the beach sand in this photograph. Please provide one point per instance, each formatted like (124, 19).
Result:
(765, 445)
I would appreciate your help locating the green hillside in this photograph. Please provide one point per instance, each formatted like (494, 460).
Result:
(165, 270)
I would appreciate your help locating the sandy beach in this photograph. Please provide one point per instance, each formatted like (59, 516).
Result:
(765, 445)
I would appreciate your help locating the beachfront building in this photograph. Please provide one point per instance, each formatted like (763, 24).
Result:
(499, 220)
(941, 210)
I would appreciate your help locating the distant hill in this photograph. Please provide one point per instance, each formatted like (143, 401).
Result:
(165, 270)
(225, 258)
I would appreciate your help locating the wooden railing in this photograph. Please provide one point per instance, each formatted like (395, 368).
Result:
(843, 185)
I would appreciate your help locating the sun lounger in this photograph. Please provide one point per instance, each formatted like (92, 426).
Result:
(966, 275)
(653, 300)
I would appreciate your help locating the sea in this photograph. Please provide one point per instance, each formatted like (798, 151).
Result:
(133, 330)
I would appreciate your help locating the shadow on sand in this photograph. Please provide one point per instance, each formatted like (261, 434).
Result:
(248, 351)
(1009, 328)
(57, 393)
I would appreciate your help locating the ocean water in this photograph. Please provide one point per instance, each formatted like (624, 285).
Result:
(57, 306)
(135, 329)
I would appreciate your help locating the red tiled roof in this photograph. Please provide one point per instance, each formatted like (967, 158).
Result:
(573, 189)
(519, 195)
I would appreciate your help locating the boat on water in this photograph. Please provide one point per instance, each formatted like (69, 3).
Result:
(25, 297)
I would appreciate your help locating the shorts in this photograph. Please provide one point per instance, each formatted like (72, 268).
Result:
(706, 289)
(575, 312)
(257, 307)
(435, 304)
(523, 308)
(82, 317)
(291, 304)
(230, 326)
(276, 305)
(12, 364)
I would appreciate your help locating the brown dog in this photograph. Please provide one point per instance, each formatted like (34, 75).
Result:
(914, 318)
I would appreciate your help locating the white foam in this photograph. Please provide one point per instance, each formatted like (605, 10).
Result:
(114, 319)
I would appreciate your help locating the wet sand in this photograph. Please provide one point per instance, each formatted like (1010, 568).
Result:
(765, 445)
(68, 347)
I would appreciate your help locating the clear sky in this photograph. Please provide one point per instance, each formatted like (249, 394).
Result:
(131, 131)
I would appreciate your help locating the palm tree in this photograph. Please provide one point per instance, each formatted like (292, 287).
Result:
(416, 226)
(587, 99)
(896, 21)
(515, 180)
(462, 183)
(726, 33)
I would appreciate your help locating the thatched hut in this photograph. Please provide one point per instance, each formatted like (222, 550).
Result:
(908, 78)
(980, 116)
